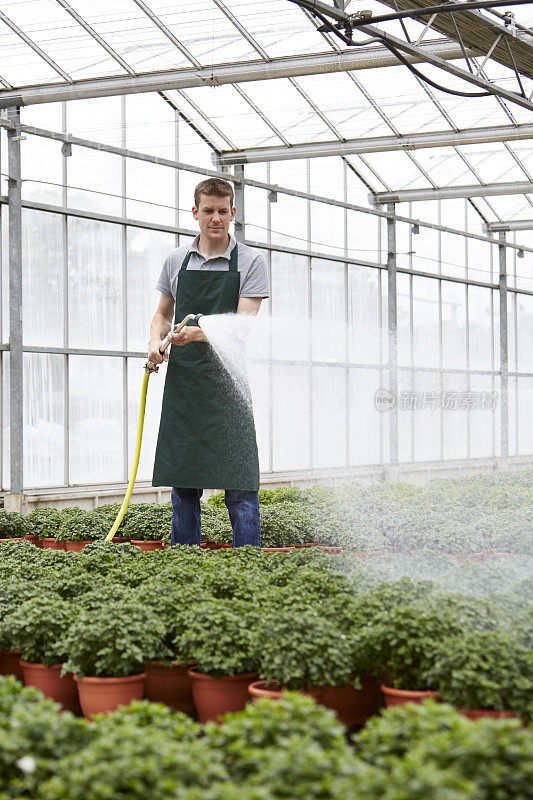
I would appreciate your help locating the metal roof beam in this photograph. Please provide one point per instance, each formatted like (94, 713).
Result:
(219, 74)
(511, 225)
(451, 192)
(379, 144)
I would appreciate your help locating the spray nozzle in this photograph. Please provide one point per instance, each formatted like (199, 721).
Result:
(197, 318)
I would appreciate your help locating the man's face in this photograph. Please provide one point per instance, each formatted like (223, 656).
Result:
(214, 215)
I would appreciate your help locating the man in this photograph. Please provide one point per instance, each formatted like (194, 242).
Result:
(206, 434)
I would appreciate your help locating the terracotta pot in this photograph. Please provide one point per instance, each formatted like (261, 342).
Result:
(32, 538)
(102, 695)
(49, 543)
(149, 545)
(170, 685)
(77, 547)
(218, 546)
(479, 713)
(399, 697)
(13, 539)
(306, 544)
(216, 696)
(354, 706)
(276, 549)
(49, 681)
(10, 664)
(273, 690)
(330, 550)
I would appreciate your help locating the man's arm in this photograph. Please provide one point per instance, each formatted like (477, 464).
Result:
(249, 305)
(161, 324)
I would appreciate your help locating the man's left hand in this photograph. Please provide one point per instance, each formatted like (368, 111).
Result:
(190, 333)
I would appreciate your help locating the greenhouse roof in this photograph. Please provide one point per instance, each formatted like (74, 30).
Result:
(268, 81)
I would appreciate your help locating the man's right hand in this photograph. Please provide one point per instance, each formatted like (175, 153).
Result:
(153, 352)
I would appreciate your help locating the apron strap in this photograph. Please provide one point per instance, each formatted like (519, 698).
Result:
(185, 261)
(233, 259)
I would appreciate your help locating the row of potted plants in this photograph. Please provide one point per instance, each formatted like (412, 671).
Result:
(477, 515)
(273, 750)
(306, 622)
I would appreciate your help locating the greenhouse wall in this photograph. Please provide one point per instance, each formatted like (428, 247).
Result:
(97, 227)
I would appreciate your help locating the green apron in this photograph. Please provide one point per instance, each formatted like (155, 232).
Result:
(207, 435)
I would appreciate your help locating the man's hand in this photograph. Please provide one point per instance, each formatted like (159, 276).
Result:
(190, 333)
(153, 352)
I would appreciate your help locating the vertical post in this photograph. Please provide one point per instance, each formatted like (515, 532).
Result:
(239, 203)
(66, 358)
(504, 350)
(392, 331)
(124, 287)
(16, 412)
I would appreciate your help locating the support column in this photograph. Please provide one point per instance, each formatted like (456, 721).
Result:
(392, 321)
(238, 171)
(16, 416)
(504, 349)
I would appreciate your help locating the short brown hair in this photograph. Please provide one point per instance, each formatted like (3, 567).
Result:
(213, 186)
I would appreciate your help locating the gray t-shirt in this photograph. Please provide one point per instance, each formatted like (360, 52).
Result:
(250, 263)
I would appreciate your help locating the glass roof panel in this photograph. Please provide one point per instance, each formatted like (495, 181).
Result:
(288, 111)
(183, 103)
(204, 30)
(131, 33)
(401, 167)
(62, 38)
(278, 26)
(19, 64)
(234, 115)
(445, 166)
(493, 163)
(341, 101)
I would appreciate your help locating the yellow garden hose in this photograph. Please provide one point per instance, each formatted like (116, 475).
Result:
(148, 369)
(136, 456)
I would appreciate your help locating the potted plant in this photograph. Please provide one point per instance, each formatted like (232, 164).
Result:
(107, 648)
(146, 525)
(45, 524)
(285, 524)
(217, 636)
(168, 680)
(36, 736)
(484, 673)
(106, 514)
(217, 533)
(37, 627)
(299, 649)
(14, 526)
(408, 635)
(78, 529)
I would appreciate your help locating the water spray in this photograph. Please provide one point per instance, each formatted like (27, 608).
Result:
(149, 367)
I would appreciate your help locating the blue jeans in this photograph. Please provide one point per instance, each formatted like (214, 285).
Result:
(243, 508)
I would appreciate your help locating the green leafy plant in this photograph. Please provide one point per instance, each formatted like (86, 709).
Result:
(45, 522)
(78, 525)
(38, 626)
(218, 636)
(408, 635)
(35, 735)
(302, 650)
(13, 525)
(495, 756)
(152, 716)
(134, 763)
(114, 640)
(148, 521)
(484, 670)
(216, 526)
